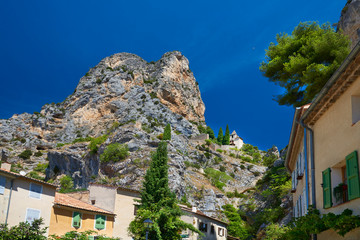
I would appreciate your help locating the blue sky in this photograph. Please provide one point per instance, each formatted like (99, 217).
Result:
(46, 46)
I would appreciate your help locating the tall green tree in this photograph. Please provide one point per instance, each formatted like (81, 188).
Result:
(220, 136)
(210, 132)
(167, 132)
(158, 203)
(226, 139)
(303, 62)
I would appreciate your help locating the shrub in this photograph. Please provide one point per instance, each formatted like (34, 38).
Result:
(81, 139)
(26, 154)
(217, 178)
(24, 231)
(222, 168)
(94, 142)
(219, 150)
(38, 154)
(242, 167)
(232, 155)
(66, 184)
(160, 136)
(114, 152)
(41, 167)
(217, 160)
(256, 173)
(249, 167)
(207, 154)
(59, 145)
(35, 175)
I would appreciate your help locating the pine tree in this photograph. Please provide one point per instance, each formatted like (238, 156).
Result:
(210, 132)
(226, 139)
(167, 132)
(220, 136)
(158, 203)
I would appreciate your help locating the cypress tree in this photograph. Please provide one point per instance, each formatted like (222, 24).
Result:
(226, 139)
(210, 132)
(158, 203)
(220, 136)
(167, 132)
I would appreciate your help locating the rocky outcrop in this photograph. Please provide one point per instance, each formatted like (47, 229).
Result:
(349, 22)
(126, 100)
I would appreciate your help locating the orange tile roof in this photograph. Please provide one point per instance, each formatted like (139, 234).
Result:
(29, 178)
(65, 200)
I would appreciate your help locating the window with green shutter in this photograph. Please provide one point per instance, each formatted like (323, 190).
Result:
(76, 219)
(352, 175)
(327, 188)
(100, 222)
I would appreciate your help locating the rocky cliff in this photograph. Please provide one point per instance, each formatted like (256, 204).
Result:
(126, 100)
(350, 20)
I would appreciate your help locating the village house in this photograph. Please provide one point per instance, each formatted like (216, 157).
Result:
(24, 198)
(324, 147)
(70, 214)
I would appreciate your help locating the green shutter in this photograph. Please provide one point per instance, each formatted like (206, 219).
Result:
(352, 175)
(76, 219)
(100, 222)
(327, 188)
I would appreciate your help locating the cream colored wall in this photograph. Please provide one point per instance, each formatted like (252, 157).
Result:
(104, 196)
(331, 235)
(61, 222)
(20, 201)
(335, 137)
(4, 199)
(124, 210)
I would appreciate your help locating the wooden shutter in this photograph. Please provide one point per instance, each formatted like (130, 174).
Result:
(327, 198)
(100, 222)
(352, 174)
(76, 219)
(2, 184)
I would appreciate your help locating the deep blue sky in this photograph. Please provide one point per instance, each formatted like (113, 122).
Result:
(46, 46)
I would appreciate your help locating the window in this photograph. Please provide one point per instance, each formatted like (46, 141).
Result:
(203, 227)
(352, 175)
(212, 229)
(221, 232)
(100, 221)
(76, 220)
(327, 196)
(35, 190)
(32, 214)
(355, 107)
(2, 184)
(136, 208)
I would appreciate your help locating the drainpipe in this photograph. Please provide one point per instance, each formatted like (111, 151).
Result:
(312, 165)
(8, 207)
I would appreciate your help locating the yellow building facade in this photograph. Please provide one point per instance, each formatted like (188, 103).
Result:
(69, 214)
(327, 133)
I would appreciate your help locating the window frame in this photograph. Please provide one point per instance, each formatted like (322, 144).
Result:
(105, 218)
(26, 215)
(80, 220)
(30, 191)
(2, 187)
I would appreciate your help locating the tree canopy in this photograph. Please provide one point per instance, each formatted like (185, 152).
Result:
(167, 132)
(226, 139)
(220, 136)
(303, 62)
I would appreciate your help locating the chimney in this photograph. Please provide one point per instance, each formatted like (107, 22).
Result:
(5, 166)
(194, 209)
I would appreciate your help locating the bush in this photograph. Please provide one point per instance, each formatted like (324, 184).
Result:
(114, 152)
(41, 167)
(38, 154)
(217, 178)
(222, 168)
(35, 175)
(94, 142)
(66, 184)
(217, 160)
(219, 150)
(26, 154)
(242, 167)
(24, 231)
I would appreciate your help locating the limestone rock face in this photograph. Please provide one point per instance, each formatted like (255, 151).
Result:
(126, 100)
(350, 21)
